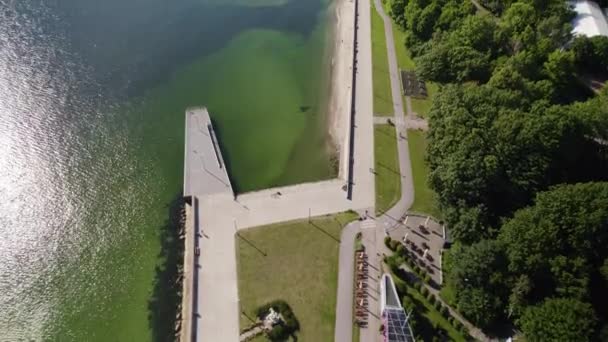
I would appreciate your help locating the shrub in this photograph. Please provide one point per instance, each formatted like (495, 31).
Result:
(394, 244)
(417, 286)
(408, 303)
(444, 311)
(288, 327)
(278, 333)
(432, 298)
(457, 325)
(427, 278)
(451, 320)
(429, 296)
(417, 269)
(438, 305)
(401, 249)
(387, 241)
(424, 291)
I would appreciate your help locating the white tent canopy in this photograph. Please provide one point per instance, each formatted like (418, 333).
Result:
(590, 20)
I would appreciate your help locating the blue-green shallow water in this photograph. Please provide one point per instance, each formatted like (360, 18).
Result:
(92, 100)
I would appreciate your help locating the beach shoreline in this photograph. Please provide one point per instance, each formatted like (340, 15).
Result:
(341, 82)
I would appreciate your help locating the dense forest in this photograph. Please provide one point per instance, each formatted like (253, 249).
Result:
(518, 157)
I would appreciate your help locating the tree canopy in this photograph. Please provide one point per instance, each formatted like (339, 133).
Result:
(517, 154)
(559, 320)
(552, 249)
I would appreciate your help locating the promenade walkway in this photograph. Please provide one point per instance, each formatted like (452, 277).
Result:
(373, 238)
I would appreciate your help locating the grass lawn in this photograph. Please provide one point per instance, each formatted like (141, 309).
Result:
(423, 106)
(427, 316)
(300, 267)
(388, 178)
(424, 198)
(404, 59)
(356, 333)
(383, 102)
(447, 292)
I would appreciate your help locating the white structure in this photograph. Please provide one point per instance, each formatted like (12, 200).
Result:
(273, 318)
(590, 20)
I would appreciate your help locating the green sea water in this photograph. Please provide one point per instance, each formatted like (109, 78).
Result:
(92, 102)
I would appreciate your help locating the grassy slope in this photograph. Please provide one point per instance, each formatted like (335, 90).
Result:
(424, 197)
(447, 293)
(301, 267)
(388, 179)
(422, 107)
(428, 311)
(383, 102)
(404, 59)
(430, 316)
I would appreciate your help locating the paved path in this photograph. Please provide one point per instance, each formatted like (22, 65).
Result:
(407, 186)
(364, 126)
(370, 240)
(344, 302)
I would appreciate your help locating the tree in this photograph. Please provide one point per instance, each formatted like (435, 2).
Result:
(519, 293)
(591, 54)
(477, 32)
(604, 270)
(480, 307)
(478, 274)
(556, 241)
(559, 319)
(398, 11)
(559, 67)
(569, 220)
(481, 265)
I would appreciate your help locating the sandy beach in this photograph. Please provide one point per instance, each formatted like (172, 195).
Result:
(341, 80)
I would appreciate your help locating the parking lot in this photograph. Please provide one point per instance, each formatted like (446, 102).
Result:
(424, 237)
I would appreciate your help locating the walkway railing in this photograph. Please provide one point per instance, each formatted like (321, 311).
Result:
(351, 143)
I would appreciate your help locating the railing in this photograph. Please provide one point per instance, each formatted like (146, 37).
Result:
(351, 143)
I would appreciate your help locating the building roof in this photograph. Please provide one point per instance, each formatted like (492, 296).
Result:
(590, 20)
(394, 319)
(396, 326)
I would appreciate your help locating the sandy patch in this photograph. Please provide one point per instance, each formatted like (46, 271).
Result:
(341, 81)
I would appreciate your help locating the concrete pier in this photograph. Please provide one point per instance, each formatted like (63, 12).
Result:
(204, 168)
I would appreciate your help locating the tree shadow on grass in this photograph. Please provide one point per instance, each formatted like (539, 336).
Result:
(165, 303)
(337, 239)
